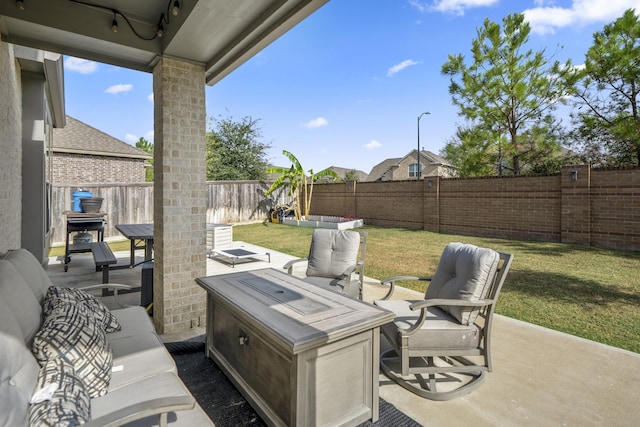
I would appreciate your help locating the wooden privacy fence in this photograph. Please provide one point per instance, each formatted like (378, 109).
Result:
(228, 202)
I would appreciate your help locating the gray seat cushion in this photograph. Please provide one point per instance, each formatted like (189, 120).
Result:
(138, 357)
(465, 272)
(133, 321)
(332, 252)
(440, 330)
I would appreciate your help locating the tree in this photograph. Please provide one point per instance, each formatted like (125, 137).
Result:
(351, 175)
(147, 147)
(298, 182)
(508, 94)
(607, 93)
(234, 150)
(472, 151)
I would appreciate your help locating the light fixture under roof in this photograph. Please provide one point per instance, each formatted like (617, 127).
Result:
(114, 23)
(158, 29)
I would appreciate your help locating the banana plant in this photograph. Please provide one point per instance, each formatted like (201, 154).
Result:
(298, 182)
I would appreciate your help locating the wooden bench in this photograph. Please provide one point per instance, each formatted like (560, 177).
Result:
(103, 258)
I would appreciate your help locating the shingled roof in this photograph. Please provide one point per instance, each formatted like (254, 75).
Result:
(387, 166)
(379, 170)
(80, 138)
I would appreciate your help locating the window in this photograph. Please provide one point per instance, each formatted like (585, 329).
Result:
(413, 171)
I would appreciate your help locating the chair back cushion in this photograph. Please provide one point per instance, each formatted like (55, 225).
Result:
(18, 377)
(18, 296)
(464, 272)
(332, 252)
(31, 271)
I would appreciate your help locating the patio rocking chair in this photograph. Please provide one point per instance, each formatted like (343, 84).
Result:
(333, 262)
(440, 346)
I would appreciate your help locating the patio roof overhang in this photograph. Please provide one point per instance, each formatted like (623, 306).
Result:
(218, 34)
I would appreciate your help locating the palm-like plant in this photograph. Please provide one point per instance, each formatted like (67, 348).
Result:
(297, 180)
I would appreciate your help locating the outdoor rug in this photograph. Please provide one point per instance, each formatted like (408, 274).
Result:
(224, 404)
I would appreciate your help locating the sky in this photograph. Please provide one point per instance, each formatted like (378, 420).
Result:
(346, 86)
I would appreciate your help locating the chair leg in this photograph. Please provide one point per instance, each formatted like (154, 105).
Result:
(428, 388)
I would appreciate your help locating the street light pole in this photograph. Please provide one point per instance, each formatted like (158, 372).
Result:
(419, 172)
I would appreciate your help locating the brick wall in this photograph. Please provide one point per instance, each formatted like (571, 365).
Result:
(514, 207)
(82, 168)
(615, 208)
(11, 149)
(580, 205)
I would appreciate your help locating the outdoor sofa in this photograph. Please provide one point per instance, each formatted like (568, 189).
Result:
(55, 351)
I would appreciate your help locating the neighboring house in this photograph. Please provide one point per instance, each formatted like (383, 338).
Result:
(84, 154)
(406, 167)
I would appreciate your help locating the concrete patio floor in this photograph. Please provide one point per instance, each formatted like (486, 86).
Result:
(540, 377)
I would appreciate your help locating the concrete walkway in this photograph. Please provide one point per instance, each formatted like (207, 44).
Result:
(540, 378)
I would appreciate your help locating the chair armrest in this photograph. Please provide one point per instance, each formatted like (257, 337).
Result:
(450, 302)
(392, 280)
(347, 273)
(424, 305)
(161, 407)
(109, 286)
(289, 265)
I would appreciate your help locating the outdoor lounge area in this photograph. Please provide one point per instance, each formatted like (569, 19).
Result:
(539, 377)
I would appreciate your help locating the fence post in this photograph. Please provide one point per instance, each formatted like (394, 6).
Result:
(431, 200)
(351, 203)
(575, 202)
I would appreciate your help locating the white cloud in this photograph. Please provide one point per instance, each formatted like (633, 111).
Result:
(401, 66)
(318, 122)
(150, 97)
(81, 66)
(546, 19)
(373, 145)
(458, 7)
(421, 6)
(119, 88)
(149, 136)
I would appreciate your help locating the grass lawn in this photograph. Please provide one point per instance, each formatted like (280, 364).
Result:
(589, 292)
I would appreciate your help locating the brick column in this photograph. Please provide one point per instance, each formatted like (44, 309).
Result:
(575, 216)
(431, 203)
(180, 195)
(351, 204)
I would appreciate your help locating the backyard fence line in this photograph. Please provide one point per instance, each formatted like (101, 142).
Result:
(580, 205)
(228, 202)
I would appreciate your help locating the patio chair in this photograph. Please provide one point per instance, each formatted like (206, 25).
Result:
(333, 262)
(440, 346)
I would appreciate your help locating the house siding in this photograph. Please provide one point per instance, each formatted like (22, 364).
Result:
(11, 149)
(83, 168)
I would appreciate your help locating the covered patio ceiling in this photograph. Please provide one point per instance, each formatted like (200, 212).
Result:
(218, 34)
